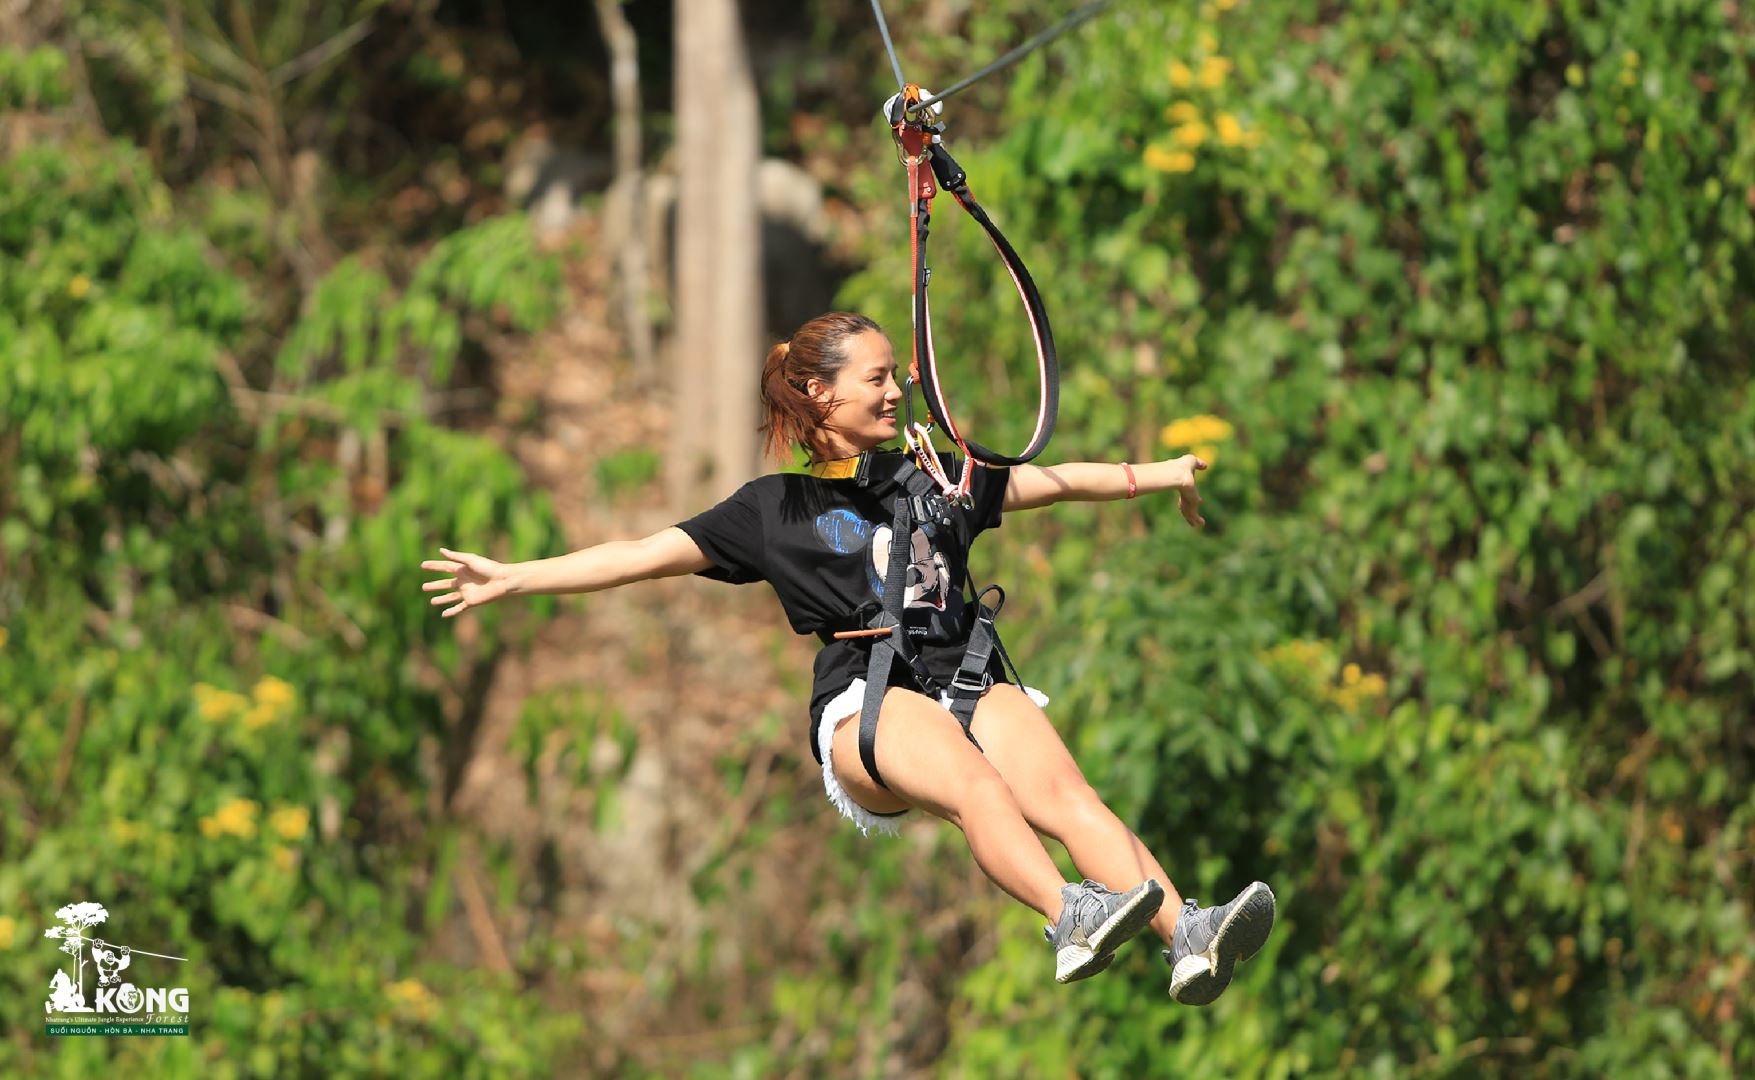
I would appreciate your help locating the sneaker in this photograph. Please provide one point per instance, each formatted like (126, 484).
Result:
(1209, 942)
(1093, 922)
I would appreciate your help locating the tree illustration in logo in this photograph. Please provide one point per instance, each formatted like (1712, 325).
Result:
(68, 994)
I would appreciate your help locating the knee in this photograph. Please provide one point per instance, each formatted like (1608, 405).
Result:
(1068, 802)
(983, 790)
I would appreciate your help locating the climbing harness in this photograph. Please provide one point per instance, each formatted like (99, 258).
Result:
(918, 502)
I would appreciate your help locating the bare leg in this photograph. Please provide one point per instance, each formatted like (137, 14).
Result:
(930, 765)
(1027, 751)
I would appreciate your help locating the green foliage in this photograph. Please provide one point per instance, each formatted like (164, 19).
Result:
(36, 79)
(627, 470)
(355, 322)
(222, 711)
(1459, 663)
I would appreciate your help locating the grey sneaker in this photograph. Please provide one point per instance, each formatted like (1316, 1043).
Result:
(1209, 942)
(1093, 922)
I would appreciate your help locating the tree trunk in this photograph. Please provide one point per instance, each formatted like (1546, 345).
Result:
(716, 350)
(633, 263)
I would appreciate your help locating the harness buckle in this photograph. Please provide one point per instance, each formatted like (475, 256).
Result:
(959, 683)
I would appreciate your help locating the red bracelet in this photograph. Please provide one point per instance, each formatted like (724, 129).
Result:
(1133, 488)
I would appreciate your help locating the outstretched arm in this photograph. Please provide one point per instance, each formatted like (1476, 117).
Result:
(1031, 486)
(478, 580)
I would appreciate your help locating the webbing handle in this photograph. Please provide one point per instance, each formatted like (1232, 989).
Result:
(954, 180)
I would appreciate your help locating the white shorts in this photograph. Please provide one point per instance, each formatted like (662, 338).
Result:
(846, 703)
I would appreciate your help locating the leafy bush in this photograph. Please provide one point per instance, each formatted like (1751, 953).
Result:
(222, 712)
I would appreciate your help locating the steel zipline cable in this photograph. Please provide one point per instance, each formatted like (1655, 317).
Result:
(889, 46)
(1082, 15)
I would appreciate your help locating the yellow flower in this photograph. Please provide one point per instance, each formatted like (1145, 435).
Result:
(216, 704)
(1190, 135)
(1180, 76)
(8, 930)
(413, 995)
(1630, 58)
(1350, 674)
(1229, 130)
(236, 818)
(260, 715)
(274, 692)
(1574, 75)
(1170, 161)
(1372, 686)
(290, 821)
(1224, 5)
(1207, 42)
(1182, 112)
(4, 637)
(1208, 454)
(1203, 430)
(285, 858)
(1213, 71)
(79, 286)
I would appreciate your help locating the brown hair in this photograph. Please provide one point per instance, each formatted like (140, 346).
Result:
(817, 350)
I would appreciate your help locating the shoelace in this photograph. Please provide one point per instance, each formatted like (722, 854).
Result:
(1089, 897)
(1088, 904)
(1189, 907)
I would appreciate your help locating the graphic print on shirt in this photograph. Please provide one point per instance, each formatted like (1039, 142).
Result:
(929, 576)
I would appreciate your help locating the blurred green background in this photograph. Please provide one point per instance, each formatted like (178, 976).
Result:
(1458, 296)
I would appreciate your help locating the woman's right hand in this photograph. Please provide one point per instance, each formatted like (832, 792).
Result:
(477, 580)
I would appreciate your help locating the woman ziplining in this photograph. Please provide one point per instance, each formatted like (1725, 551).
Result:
(825, 542)
(911, 705)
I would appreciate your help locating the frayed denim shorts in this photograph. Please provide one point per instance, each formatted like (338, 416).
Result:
(844, 704)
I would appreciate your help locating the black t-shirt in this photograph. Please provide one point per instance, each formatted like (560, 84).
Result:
(824, 547)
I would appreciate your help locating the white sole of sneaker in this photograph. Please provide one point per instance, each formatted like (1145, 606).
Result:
(1076, 962)
(1200, 979)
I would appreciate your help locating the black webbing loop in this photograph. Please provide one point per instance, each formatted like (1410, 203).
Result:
(953, 179)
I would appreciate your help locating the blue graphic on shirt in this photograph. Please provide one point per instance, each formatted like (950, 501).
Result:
(843, 531)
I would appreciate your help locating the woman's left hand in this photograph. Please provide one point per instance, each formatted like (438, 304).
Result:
(1182, 472)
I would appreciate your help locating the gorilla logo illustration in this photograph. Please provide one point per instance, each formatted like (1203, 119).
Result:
(111, 959)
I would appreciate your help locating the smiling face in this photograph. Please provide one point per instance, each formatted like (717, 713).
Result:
(864, 397)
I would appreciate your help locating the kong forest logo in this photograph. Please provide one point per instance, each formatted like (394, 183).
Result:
(94, 995)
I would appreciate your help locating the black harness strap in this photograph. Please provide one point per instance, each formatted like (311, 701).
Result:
(972, 679)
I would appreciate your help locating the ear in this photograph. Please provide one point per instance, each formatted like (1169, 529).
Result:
(816, 388)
